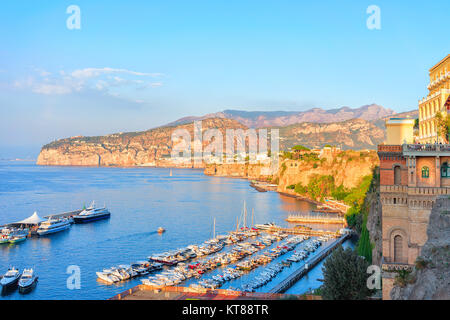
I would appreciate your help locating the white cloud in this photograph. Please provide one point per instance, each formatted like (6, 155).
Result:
(96, 72)
(49, 89)
(114, 82)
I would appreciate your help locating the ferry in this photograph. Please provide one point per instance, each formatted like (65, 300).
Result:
(53, 226)
(92, 214)
(27, 281)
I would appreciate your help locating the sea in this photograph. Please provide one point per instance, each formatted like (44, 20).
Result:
(140, 200)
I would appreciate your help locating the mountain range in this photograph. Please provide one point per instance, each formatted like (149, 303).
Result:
(260, 119)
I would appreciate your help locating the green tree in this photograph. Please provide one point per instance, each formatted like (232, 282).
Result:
(345, 276)
(300, 148)
(364, 245)
(443, 126)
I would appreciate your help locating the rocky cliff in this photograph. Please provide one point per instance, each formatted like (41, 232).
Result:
(152, 147)
(431, 276)
(347, 168)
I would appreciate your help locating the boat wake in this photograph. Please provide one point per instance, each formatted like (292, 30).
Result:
(133, 235)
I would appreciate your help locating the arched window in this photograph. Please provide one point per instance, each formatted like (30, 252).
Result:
(445, 170)
(398, 249)
(425, 172)
(397, 175)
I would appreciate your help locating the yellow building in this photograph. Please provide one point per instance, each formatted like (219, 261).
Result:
(438, 99)
(399, 131)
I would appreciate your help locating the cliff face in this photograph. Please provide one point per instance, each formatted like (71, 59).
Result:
(347, 168)
(152, 147)
(259, 172)
(432, 279)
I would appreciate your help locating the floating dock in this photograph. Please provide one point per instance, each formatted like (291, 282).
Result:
(309, 264)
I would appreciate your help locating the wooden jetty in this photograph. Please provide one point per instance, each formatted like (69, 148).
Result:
(309, 264)
(316, 219)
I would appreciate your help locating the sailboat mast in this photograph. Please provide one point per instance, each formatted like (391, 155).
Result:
(214, 229)
(253, 213)
(245, 215)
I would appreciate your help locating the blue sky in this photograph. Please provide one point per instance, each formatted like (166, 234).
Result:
(135, 65)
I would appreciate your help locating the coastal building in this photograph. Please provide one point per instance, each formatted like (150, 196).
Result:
(437, 100)
(412, 176)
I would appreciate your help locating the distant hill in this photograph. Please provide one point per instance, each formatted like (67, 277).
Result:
(259, 119)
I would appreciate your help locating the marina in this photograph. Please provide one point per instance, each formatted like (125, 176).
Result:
(141, 200)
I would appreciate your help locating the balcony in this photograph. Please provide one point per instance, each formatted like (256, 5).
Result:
(389, 148)
(394, 266)
(424, 150)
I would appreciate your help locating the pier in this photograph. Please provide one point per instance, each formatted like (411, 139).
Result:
(316, 219)
(64, 214)
(303, 232)
(309, 264)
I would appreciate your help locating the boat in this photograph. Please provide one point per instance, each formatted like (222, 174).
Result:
(53, 226)
(4, 238)
(92, 214)
(161, 230)
(27, 281)
(10, 279)
(266, 226)
(17, 239)
(108, 277)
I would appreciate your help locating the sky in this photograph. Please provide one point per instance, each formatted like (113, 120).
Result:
(134, 65)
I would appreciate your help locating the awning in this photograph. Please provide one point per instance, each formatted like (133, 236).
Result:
(34, 219)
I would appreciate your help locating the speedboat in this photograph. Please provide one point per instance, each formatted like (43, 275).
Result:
(10, 279)
(27, 281)
(92, 214)
(53, 226)
(107, 277)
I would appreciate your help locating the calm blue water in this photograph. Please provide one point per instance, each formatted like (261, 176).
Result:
(140, 200)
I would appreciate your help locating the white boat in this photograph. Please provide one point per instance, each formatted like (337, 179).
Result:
(92, 214)
(27, 281)
(10, 279)
(53, 226)
(107, 277)
(266, 226)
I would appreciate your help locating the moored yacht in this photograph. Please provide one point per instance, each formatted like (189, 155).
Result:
(53, 226)
(27, 281)
(92, 214)
(10, 279)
